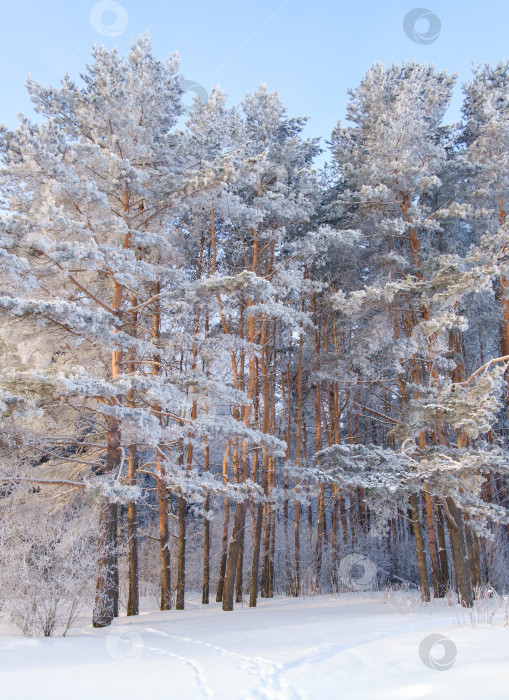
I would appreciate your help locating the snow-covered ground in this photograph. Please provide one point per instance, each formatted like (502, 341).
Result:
(362, 646)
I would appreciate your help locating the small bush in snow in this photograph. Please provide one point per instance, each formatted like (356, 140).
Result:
(47, 560)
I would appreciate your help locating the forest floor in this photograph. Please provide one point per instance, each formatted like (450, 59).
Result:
(355, 645)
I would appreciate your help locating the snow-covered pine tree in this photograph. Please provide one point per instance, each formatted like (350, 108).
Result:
(485, 134)
(250, 222)
(88, 259)
(392, 159)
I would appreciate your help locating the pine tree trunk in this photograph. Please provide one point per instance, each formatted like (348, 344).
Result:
(334, 539)
(239, 579)
(320, 516)
(182, 504)
(271, 465)
(224, 553)
(393, 546)
(433, 545)
(181, 561)
(239, 523)
(133, 598)
(133, 601)
(419, 543)
(266, 554)
(253, 592)
(470, 556)
(272, 554)
(239, 520)
(459, 554)
(442, 551)
(233, 555)
(164, 543)
(164, 532)
(298, 449)
(162, 499)
(206, 555)
(104, 607)
(116, 580)
(343, 516)
(477, 557)
(226, 524)
(320, 512)
(205, 595)
(106, 599)
(286, 533)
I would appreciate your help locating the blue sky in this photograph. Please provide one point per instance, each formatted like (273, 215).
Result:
(310, 50)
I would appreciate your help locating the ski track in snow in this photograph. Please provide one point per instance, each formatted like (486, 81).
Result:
(272, 684)
(199, 674)
(271, 676)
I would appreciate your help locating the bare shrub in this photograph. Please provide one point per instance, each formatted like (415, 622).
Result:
(47, 560)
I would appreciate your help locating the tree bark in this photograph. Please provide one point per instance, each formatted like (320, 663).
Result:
(433, 545)
(116, 579)
(164, 543)
(224, 554)
(233, 554)
(459, 554)
(253, 592)
(181, 562)
(471, 557)
(206, 555)
(104, 607)
(442, 551)
(421, 551)
(133, 600)
(239, 578)
(298, 449)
